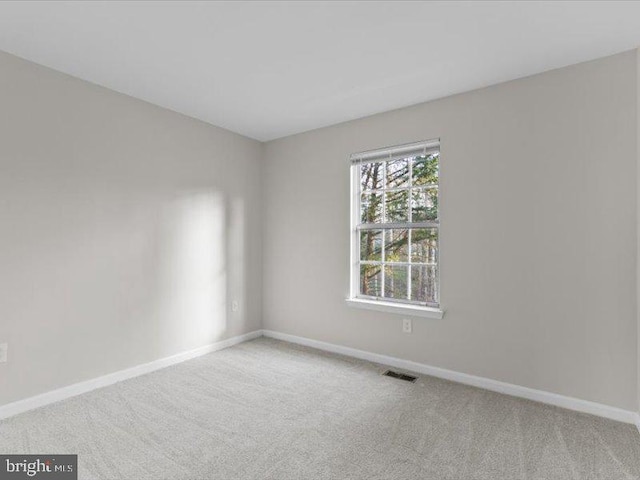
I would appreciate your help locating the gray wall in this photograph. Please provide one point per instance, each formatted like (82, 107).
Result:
(638, 235)
(126, 230)
(538, 233)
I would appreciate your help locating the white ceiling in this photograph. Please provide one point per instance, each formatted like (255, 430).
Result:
(270, 69)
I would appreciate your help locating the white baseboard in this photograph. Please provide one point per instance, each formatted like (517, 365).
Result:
(570, 403)
(53, 396)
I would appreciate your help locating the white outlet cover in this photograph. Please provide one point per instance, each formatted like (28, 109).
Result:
(406, 325)
(4, 348)
(234, 306)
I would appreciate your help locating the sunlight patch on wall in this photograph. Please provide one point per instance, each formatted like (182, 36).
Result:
(194, 277)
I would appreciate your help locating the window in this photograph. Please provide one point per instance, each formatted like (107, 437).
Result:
(395, 225)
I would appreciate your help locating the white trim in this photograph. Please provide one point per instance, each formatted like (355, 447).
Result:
(69, 391)
(354, 242)
(397, 308)
(570, 403)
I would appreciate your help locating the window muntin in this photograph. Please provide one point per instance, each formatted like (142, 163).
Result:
(395, 231)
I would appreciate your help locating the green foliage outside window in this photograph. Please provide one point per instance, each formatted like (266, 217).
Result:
(405, 192)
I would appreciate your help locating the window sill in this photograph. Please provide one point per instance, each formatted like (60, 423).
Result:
(397, 308)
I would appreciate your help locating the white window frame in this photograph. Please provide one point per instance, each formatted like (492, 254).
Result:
(404, 307)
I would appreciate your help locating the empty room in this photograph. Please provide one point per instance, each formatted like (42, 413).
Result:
(279, 240)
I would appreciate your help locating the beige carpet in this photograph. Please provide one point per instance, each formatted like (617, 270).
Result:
(270, 410)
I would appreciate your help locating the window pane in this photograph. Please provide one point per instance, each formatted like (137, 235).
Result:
(396, 246)
(397, 262)
(371, 176)
(395, 282)
(371, 245)
(424, 204)
(371, 280)
(371, 208)
(424, 245)
(398, 173)
(425, 170)
(397, 204)
(424, 283)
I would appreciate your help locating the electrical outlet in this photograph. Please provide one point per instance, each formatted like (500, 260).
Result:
(406, 325)
(234, 306)
(4, 349)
